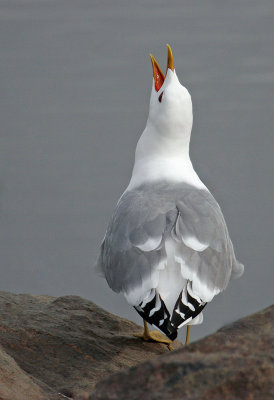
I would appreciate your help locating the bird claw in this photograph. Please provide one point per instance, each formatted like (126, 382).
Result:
(155, 336)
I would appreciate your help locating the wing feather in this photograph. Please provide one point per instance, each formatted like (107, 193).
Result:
(133, 250)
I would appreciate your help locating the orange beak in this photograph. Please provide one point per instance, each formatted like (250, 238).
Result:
(158, 75)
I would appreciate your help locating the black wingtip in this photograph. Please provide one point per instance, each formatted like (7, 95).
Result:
(160, 318)
(172, 336)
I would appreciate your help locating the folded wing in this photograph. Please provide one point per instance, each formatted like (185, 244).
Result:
(133, 251)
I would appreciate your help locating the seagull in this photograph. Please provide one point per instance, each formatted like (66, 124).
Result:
(167, 248)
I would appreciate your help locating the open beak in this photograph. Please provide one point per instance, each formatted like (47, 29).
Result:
(158, 75)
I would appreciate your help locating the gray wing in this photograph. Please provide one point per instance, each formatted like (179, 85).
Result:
(133, 247)
(207, 256)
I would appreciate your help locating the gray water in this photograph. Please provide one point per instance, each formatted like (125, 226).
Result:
(75, 85)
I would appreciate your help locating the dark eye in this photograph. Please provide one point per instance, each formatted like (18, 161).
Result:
(160, 97)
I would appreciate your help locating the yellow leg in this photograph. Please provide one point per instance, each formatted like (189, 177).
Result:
(153, 336)
(187, 334)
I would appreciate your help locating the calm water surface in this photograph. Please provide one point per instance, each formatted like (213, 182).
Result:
(75, 86)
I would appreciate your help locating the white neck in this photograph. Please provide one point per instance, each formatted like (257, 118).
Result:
(159, 157)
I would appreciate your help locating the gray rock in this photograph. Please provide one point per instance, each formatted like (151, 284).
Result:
(15, 383)
(63, 345)
(235, 363)
(60, 348)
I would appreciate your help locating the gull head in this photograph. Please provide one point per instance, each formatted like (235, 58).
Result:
(170, 111)
(162, 151)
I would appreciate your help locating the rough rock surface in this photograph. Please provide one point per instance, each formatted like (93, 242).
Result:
(63, 345)
(59, 348)
(235, 363)
(14, 382)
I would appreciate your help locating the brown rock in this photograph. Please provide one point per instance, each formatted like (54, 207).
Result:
(59, 348)
(63, 345)
(15, 384)
(235, 363)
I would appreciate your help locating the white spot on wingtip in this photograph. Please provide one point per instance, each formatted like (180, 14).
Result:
(157, 306)
(180, 313)
(185, 322)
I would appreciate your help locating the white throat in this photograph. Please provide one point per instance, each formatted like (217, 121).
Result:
(159, 158)
(162, 152)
